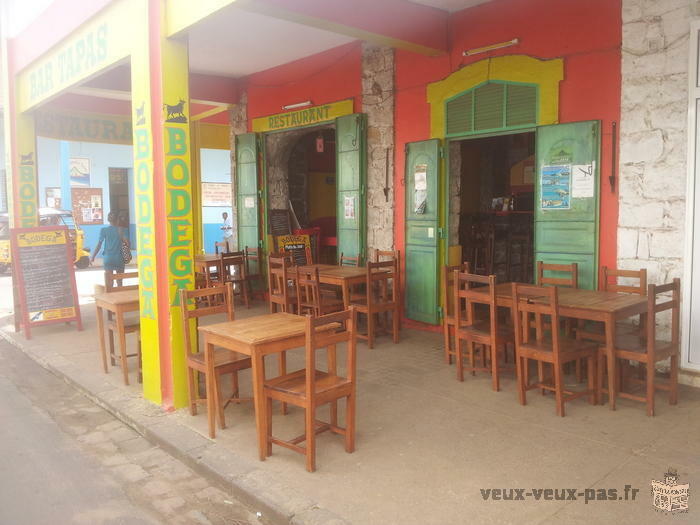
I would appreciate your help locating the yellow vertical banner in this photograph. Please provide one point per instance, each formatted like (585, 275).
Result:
(25, 183)
(145, 206)
(178, 189)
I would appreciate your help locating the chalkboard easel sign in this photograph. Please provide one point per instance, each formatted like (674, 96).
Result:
(279, 222)
(298, 246)
(44, 276)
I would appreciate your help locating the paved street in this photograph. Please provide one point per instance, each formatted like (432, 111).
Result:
(65, 460)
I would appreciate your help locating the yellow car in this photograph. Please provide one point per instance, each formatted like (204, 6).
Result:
(47, 217)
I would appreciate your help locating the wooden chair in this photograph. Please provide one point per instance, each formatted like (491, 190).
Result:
(571, 269)
(386, 255)
(381, 297)
(646, 349)
(480, 250)
(471, 290)
(195, 305)
(530, 304)
(119, 282)
(310, 388)
(520, 244)
(346, 260)
(448, 317)
(222, 245)
(253, 271)
(282, 296)
(211, 275)
(233, 266)
(310, 300)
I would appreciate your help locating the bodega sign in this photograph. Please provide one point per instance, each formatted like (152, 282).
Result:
(303, 117)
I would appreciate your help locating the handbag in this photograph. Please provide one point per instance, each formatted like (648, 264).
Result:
(126, 252)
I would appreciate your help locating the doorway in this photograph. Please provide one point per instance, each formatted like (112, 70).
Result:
(492, 216)
(119, 196)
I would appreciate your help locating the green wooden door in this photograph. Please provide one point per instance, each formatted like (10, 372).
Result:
(422, 216)
(247, 201)
(351, 173)
(567, 191)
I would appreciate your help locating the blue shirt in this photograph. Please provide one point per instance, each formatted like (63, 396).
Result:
(111, 237)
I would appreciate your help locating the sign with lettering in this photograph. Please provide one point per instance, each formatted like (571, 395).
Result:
(87, 205)
(298, 246)
(303, 117)
(216, 194)
(42, 260)
(84, 127)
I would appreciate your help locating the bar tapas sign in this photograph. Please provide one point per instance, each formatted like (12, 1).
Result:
(44, 276)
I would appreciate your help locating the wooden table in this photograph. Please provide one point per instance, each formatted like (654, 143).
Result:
(118, 303)
(591, 305)
(257, 337)
(204, 262)
(343, 276)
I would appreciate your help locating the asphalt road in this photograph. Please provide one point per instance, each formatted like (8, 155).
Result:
(64, 460)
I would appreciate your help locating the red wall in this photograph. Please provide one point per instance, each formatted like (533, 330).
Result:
(586, 34)
(325, 77)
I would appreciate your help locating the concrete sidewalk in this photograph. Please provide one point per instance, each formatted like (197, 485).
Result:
(429, 448)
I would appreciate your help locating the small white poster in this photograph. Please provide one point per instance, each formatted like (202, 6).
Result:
(421, 177)
(582, 181)
(249, 202)
(349, 204)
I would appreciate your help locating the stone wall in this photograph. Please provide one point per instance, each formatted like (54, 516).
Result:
(238, 117)
(652, 180)
(378, 104)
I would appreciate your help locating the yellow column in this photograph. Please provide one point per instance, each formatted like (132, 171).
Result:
(24, 183)
(163, 187)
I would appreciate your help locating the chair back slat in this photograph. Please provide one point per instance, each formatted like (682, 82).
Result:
(279, 275)
(115, 281)
(382, 283)
(611, 280)
(308, 290)
(347, 260)
(658, 301)
(570, 280)
(472, 289)
(447, 288)
(202, 302)
(537, 301)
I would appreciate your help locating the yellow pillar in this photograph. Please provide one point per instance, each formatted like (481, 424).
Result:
(163, 188)
(24, 181)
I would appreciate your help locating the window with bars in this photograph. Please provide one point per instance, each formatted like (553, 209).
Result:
(492, 106)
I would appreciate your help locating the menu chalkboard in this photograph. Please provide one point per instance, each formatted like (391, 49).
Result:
(43, 268)
(279, 222)
(298, 246)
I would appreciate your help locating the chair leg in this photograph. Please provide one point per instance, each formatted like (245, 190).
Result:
(191, 391)
(234, 385)
(370, 329)
(310, 417)
(494, 368)
(650, 388)
(446, 335)
(267, 432)
(350, 424)
(579, 371)
(521, 367)
(246, 295)
(540, 374)
(395, 320)
(559, 388)
(599, 376)
(218, 400)
(592, 381)
(673, 379)
(460, 359)
(112, 355)
(472, 360)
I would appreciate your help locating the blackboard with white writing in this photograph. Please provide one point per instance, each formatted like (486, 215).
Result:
(42, 260)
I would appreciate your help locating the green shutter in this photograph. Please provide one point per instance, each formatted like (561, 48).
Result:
(247, 202)
(459, 114)
(351, 168)
(422, 216)
(521, 105)
(570, 234)
(488, 107)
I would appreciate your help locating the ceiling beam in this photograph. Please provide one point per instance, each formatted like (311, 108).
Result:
(395, 23)
(114, 94)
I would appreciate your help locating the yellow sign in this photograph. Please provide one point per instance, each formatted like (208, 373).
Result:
(303, 117)
(47, 238)
(99, 43)
(84, 127)
(27, 196)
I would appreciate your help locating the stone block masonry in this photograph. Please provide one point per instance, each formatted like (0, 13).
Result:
(239, 124)
(378, 104)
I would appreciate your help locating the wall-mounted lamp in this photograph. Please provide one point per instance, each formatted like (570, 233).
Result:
(484, 49)
(298, 105)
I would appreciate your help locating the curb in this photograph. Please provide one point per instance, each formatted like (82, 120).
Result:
(255, 487)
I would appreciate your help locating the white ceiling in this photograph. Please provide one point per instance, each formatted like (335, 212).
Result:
(450, 5)
(235, 43)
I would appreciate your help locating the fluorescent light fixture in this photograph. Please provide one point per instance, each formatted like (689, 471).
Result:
(298, 105)
(484, 49)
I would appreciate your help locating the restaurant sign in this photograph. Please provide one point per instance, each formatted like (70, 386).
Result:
(303, 117)
(84, 127)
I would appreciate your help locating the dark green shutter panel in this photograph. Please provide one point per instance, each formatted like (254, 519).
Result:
(247, 203)
(521, 105)
(351, 169)
(566, 217)
(488, 107)
(422, 216)
(459, 114)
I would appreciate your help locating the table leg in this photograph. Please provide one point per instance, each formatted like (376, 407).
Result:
(282, 367)
(209, 383)
(610, 355)
(259, 400)
(101, 335)
(346, 294)
(333, 370)
(122, 346)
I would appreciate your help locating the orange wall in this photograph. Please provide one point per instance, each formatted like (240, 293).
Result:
(587, 35)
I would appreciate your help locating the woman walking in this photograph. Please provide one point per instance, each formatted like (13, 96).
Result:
(112, 236)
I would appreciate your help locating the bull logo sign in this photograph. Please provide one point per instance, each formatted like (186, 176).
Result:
(175, 112)
(668, 495)
(27, 160)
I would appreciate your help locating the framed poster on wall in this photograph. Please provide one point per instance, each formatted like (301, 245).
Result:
(87, 205)
(53, 198)
(79, 171)
(217, 194)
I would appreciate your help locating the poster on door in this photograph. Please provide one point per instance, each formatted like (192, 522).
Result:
(555, 184)
(349, 205)
(420, 189)
(87, 205)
